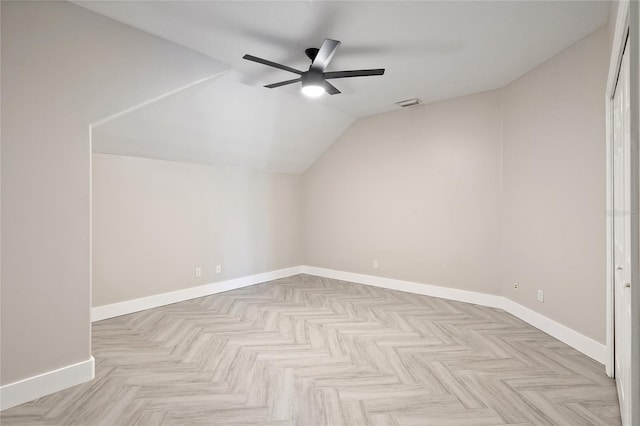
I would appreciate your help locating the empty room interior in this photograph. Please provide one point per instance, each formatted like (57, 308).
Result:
(320, 213)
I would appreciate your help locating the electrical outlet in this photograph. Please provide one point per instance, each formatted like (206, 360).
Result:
(218, 269)
(198, 272)
(375, 264)
(540, 296)
(516, 286)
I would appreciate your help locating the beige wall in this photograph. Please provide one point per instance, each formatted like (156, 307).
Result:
(58, 63)
(478, 192)
(554, 187)
(155, 221)
(417, 190)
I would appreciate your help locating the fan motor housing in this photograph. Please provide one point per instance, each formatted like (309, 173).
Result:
(313, 78)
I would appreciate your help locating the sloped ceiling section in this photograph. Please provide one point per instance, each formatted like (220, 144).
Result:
(226, 122)
(433, 50)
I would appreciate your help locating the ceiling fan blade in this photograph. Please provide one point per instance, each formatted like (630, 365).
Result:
(283, 83)
(325, 54)
(330, 88)
(353, 73)
(271, 64)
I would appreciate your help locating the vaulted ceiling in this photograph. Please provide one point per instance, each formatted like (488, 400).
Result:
(433, 50)
(225, 122)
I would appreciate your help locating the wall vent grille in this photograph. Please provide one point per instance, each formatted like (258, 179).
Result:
(409, 103)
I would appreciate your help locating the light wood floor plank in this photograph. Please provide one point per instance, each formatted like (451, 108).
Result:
(313, 351)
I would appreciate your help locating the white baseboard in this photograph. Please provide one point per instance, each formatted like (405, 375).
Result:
(38, 386)
(44, 384)
(130, 306)
(576, 340)
(409, 286)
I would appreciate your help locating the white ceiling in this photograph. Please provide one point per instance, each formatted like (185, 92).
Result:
(225, 122)
(433, 50)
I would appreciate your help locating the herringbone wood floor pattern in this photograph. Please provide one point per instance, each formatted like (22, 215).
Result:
(312, 351)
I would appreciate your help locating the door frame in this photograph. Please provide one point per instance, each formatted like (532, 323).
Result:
(620, 32)
(627, 21)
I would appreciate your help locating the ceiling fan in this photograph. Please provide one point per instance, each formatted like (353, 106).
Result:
(314, 81)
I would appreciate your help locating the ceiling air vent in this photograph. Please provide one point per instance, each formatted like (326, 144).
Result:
(409, 103)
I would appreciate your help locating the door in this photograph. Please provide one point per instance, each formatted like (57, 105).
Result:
(622, 236)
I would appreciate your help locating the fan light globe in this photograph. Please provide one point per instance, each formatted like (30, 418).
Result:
(313, 90)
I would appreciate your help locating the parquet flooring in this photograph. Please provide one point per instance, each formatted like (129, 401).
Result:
(312, 351)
